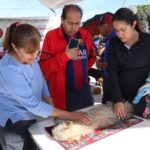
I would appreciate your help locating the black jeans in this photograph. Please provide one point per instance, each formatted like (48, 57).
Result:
(78, 99)
(16, 136)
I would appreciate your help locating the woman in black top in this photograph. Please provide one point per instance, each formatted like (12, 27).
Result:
(128, 60)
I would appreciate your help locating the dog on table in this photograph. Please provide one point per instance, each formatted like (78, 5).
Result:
(101, 116)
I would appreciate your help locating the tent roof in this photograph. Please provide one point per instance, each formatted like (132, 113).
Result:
(30, 8)
(54, 4)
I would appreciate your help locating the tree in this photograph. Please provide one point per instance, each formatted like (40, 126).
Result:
(144, 12)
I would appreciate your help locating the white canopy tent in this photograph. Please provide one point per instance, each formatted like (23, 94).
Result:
(30, 8)
(54, 4)
(36, 12)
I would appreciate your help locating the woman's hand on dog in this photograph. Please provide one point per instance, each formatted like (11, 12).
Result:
(79, 117)
(119, 110)
(75, 116)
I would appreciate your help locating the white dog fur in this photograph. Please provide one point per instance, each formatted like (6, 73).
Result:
(101, 116)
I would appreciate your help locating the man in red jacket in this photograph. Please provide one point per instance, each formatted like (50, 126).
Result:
(66, 69)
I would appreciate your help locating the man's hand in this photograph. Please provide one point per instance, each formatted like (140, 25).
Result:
(101, 49)
(72, 53)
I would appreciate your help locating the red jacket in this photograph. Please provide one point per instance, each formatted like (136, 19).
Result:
(54, 69)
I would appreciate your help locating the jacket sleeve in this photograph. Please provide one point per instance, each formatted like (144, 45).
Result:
(91, 50)
(49, 61)
(113, 74)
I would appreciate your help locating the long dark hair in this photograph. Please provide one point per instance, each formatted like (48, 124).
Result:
(22, 36)
(126, 15)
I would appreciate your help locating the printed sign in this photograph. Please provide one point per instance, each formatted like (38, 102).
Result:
(43, 24)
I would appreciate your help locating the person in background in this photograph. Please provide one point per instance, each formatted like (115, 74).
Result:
(94, 71)
(144, 26)
(107, 32)
(128, 59)
(24, 93)
(66, 69)
(142, 100)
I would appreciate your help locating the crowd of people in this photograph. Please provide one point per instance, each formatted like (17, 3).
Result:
(58, 84)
